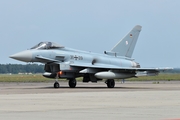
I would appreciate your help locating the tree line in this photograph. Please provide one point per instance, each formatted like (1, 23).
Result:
(36, 68)
(19, 68)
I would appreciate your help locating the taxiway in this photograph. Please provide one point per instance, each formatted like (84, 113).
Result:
(129, 101)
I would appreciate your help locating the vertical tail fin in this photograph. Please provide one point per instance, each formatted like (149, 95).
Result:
(125, 47)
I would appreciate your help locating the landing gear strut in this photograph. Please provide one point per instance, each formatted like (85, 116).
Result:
(110, 83)
(56, 84)
(72, 82)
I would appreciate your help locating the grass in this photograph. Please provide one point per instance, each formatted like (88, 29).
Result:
(23, 78)
(40, 78)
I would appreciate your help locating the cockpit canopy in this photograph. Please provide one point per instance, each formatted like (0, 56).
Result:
(47, 45)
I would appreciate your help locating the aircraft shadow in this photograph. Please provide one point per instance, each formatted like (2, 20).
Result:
(64, 87)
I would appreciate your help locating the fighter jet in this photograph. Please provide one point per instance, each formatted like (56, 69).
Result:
(62, 62)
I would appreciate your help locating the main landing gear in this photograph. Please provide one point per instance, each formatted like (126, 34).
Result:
(72, 82)
(110, 83)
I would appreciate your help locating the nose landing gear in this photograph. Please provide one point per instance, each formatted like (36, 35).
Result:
(72, 82)
(56, 84)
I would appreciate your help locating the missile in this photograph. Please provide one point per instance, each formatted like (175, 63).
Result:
(113, 75)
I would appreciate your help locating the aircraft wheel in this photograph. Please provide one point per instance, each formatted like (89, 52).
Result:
(56, 85)
(72, 83)
(110, 83)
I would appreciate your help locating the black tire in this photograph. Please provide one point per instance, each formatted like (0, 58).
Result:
(110, 83)
(72, 83)
(56, 85)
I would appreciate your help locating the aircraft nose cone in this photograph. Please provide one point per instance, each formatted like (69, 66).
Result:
(25, 56)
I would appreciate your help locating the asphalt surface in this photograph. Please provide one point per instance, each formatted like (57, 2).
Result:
(128, 101)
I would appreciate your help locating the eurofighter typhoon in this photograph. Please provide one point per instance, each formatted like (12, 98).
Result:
(62, 62)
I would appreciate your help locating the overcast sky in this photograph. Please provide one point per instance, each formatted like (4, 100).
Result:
(93, 25)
